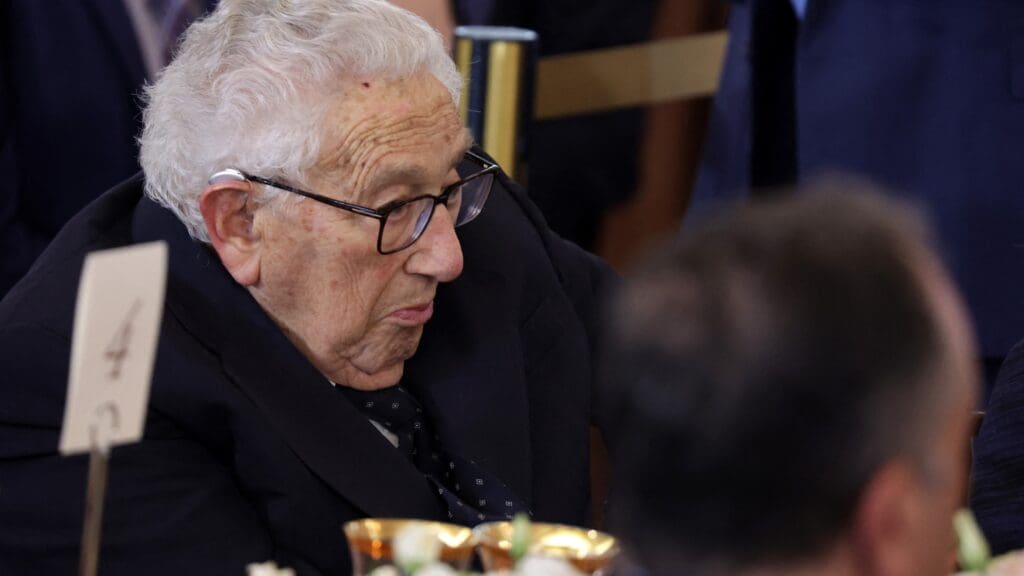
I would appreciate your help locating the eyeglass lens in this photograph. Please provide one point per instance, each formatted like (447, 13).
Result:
(406, 224)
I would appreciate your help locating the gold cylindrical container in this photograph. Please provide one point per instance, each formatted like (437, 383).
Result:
(498, 66)
(589, 551)
(372, 542)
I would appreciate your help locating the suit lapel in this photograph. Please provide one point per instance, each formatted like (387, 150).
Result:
(112, 17)
(325, 431)
(468, 371)
(334, 440)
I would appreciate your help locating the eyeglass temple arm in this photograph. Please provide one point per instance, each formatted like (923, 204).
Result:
(482, 159)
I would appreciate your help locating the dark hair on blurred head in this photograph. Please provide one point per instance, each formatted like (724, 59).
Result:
(761, 371)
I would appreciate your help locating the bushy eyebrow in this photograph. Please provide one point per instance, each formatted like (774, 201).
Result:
(394, 174)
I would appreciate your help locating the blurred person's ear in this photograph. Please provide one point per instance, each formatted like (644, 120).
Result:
(886, 529)
(228, 210)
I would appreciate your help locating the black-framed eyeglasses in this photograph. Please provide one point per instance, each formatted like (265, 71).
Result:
(403, 222)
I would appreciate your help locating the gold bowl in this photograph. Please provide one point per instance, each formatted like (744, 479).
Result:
(371, 541)
(589, 551)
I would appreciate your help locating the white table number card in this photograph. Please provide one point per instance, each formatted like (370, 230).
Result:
(117, 321)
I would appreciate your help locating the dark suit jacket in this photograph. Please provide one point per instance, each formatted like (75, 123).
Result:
(249, 454)
(71, 73)
(997, 477)
(926, 97)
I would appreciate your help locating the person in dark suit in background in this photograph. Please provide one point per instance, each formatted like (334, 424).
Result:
(997, 476)
(71, 73)
(791, 391)
(926, 98)
(330, 349)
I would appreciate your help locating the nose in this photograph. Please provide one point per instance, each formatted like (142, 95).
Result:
(438, 253)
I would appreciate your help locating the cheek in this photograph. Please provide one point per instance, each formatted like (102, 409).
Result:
(350, 291)
(362, 287)
(283, 272)
(379, 272)
(287, 241)
(334, 261)
(383, 274)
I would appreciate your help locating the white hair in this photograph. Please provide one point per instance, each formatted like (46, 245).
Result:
(252, 81)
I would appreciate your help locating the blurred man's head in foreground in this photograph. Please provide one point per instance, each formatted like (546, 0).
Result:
(793, 386)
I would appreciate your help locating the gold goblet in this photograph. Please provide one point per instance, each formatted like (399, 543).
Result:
(372, 542)
(589, 551)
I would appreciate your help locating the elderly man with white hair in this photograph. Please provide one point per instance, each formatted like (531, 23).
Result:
(330, 347)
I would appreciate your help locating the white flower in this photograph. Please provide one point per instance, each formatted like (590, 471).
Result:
(416, 545)
(268, 569)
(385, 571)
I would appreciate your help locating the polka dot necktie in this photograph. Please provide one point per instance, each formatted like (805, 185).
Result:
(471, 494)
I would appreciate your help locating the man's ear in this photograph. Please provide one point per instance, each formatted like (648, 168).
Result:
(228, 211)
(885, 521)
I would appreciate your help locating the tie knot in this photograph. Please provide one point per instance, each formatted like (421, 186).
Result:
(471, 493)
(394, 408)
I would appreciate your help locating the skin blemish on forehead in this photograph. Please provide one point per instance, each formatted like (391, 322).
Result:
(366, 84)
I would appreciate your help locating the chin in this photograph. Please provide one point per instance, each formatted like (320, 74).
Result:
(384, 377)
(376, 371)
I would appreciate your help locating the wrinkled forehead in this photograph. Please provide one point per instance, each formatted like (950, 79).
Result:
(379, 130)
